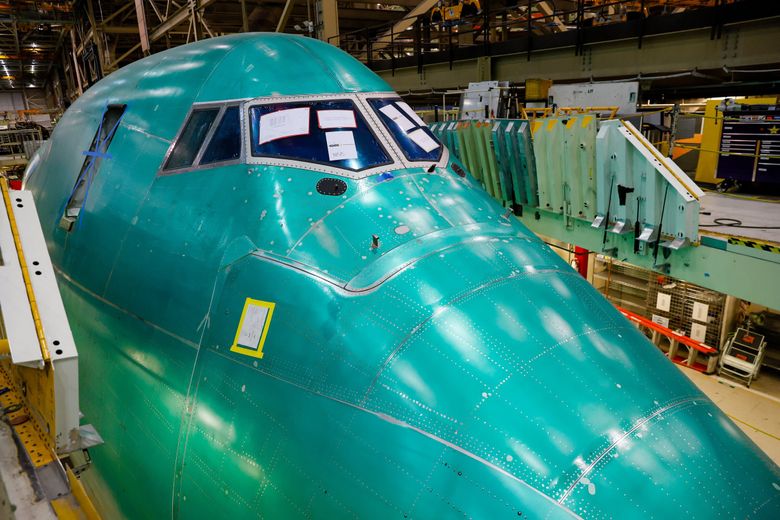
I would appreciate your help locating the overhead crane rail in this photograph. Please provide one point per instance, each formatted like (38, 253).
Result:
(445, 30)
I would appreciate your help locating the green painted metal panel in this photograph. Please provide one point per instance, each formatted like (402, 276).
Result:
(578, 143)
(723, 267)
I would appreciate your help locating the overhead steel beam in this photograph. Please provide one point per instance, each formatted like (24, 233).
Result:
(401, 25)
(76, 67)
(96, 37)
(244, 18)
(119, 29)
(132, 49)
(176, 18)
(329, 21)
(57, 48)
(105, 21)
(288, 8)
(142, 30)
(548, 11)
(608, 59)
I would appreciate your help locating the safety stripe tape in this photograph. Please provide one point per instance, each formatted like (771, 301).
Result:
(755, 244)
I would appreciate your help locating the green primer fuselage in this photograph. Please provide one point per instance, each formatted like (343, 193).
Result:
(459, 369)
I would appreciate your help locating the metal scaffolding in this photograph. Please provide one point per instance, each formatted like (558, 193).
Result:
(65, 46)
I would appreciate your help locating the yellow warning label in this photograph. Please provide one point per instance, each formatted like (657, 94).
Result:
(253, 328)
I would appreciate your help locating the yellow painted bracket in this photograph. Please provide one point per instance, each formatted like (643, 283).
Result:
(253, 328)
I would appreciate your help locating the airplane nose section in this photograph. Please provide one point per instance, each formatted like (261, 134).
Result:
(684, 460)
(540, 377)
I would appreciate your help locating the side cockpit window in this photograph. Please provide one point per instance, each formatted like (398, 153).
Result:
(98, 151)
(191, 138)
(211, 135)
(225, 144)
(411, 133)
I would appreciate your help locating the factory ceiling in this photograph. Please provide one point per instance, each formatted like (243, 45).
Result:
(103, 35)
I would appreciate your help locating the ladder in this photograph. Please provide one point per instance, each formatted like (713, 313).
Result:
(742, 356)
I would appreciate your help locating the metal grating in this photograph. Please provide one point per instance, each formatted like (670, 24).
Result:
(681, 306)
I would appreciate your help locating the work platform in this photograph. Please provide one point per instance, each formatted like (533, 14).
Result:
(741, 216)
(42, 446)
(601, 185)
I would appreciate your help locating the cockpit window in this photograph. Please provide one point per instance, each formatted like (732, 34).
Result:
(225, 144)
(333, 133)
(191, 138)
(410, 132)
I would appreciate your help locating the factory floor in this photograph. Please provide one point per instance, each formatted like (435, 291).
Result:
(756, 410)
(738, 210)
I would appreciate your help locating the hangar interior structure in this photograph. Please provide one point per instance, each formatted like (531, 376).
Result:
(640, 140)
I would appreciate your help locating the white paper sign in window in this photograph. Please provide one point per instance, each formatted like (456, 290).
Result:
(411, 113)
(336, 119)
(397, 117)
(283, 123)
(423, 140)
(341, 146)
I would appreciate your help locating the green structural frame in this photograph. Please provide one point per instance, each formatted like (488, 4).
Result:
(738, 270)
(602, 186)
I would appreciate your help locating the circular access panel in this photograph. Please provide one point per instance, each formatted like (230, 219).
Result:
(331, 186)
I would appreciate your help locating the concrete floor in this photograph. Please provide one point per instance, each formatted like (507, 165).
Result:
(751, 211)
(755, 410)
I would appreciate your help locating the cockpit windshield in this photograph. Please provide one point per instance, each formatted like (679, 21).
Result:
(332, 133)
(410, 132)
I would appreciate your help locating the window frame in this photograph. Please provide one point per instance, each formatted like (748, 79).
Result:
(360, 99)
(378, 137)
(196, 163)
(67, 221)
(393, 99)
(213, 131)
